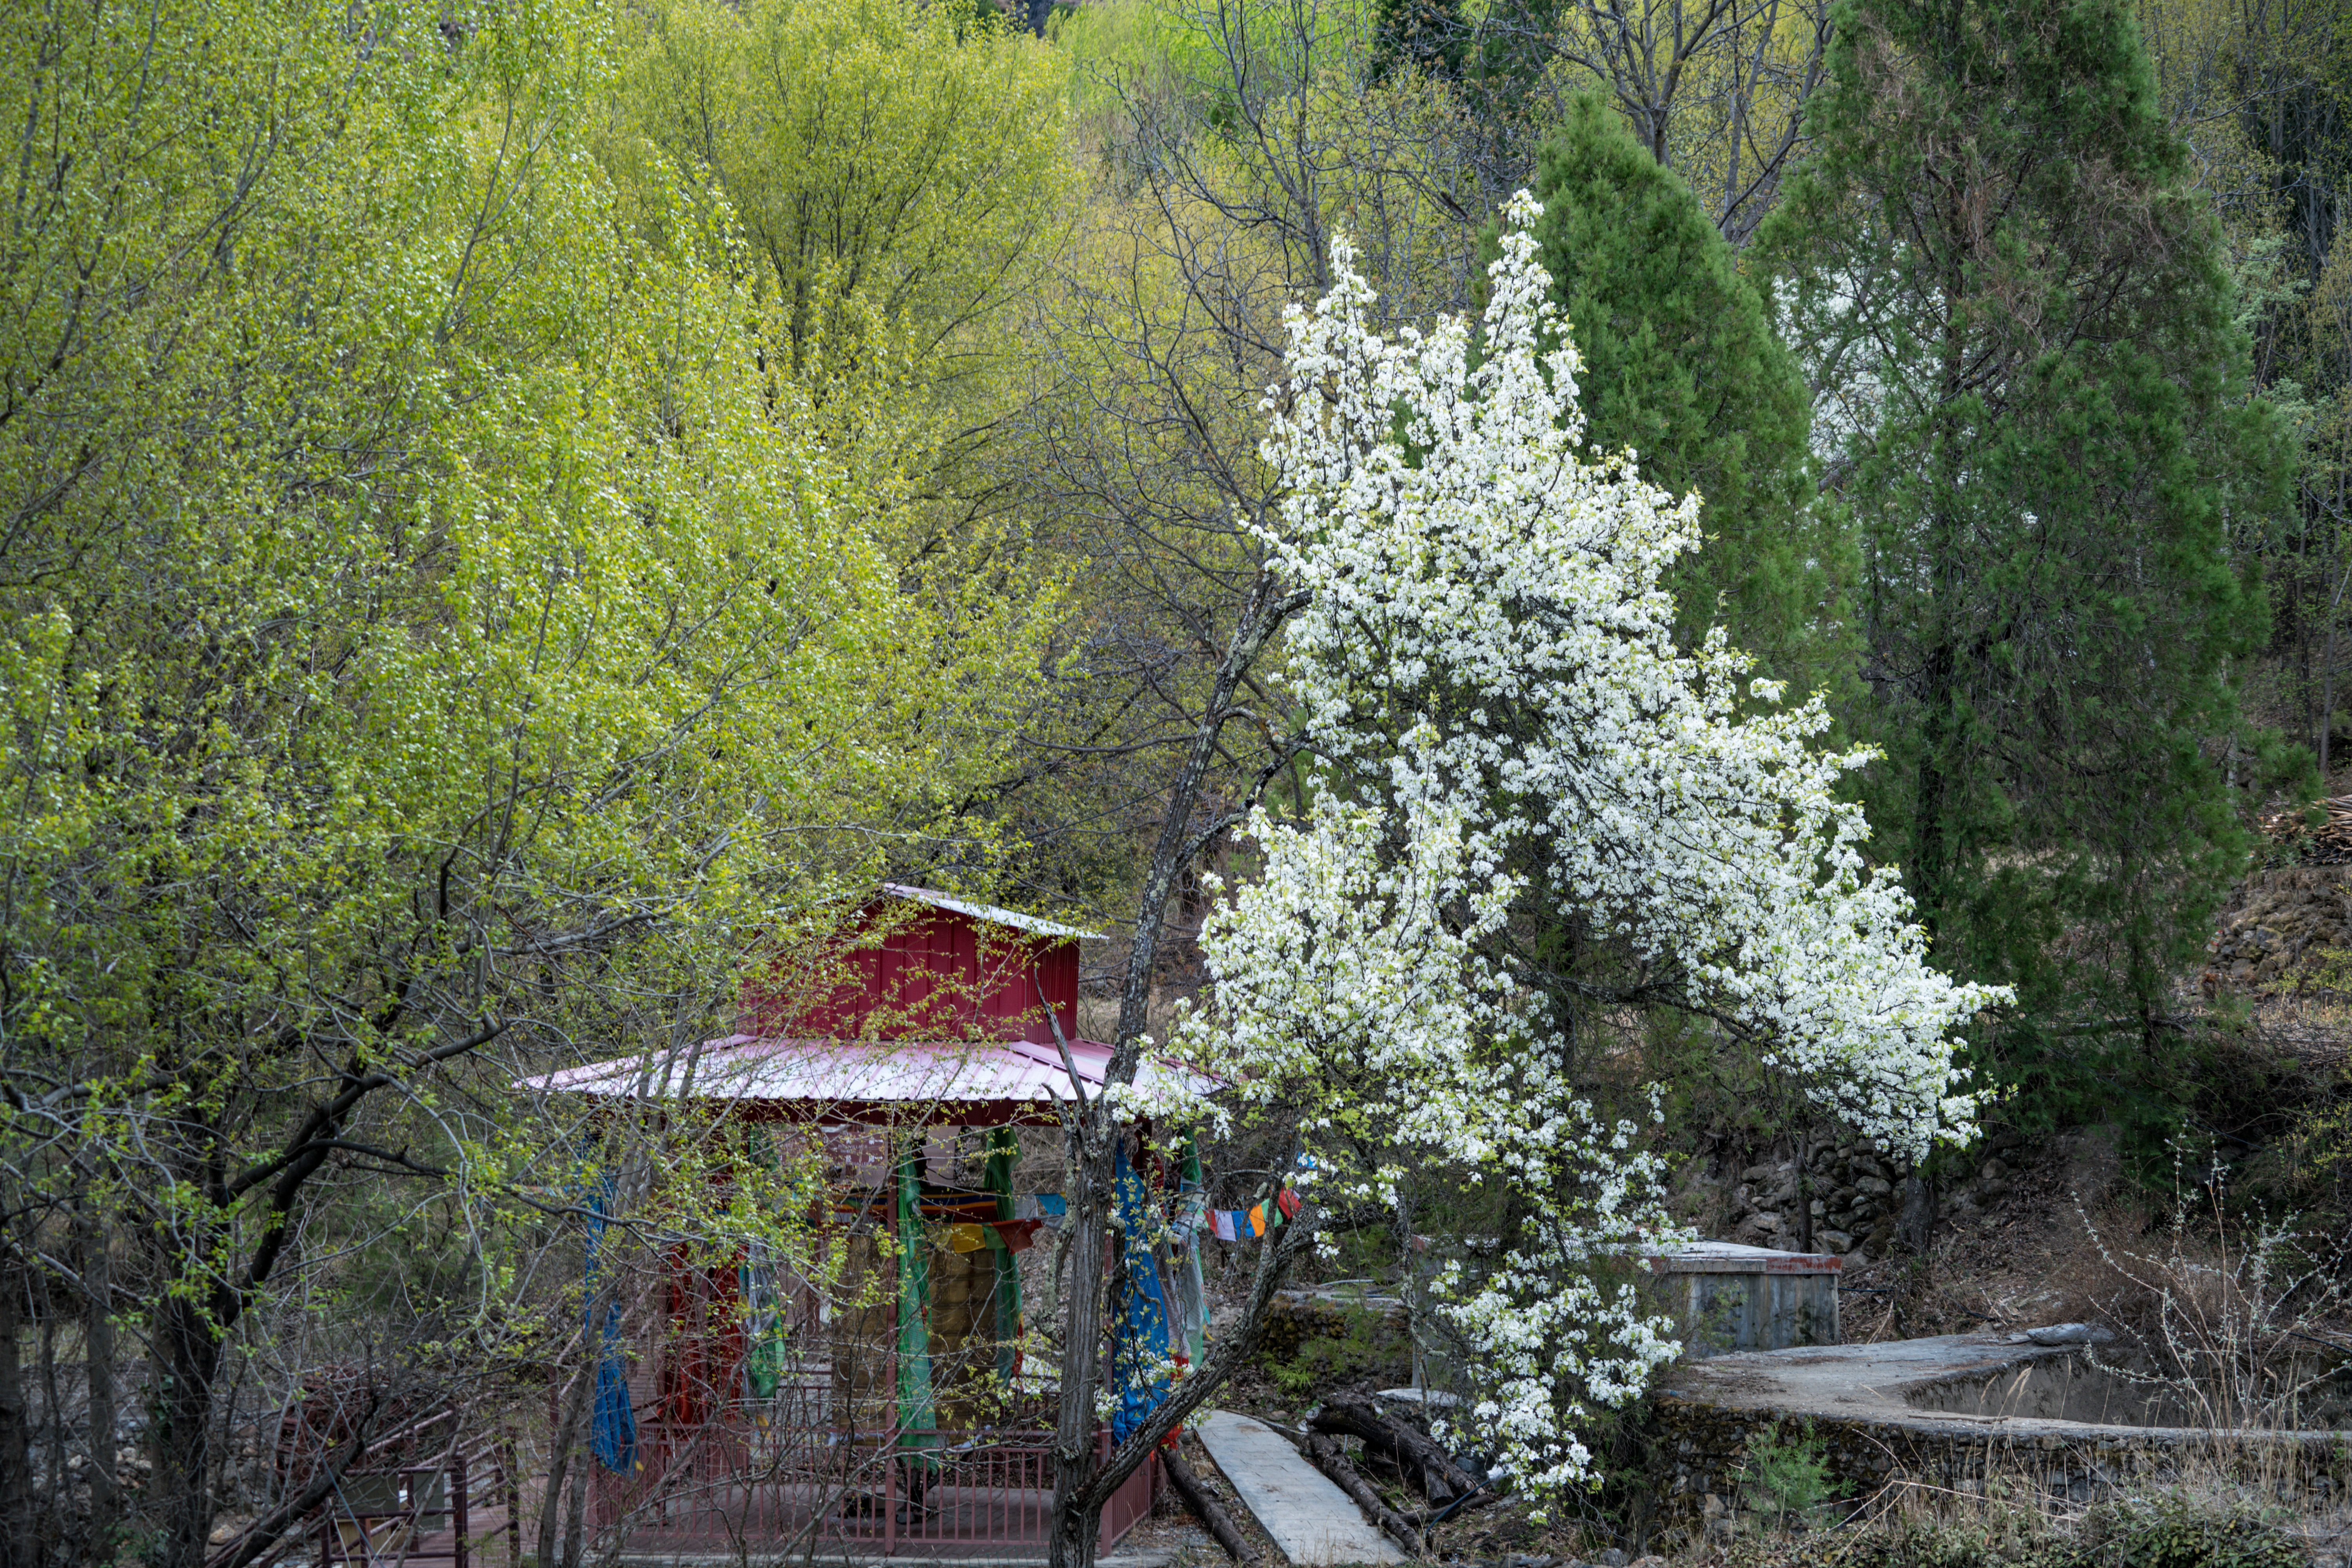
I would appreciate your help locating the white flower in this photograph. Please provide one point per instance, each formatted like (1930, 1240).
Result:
(1485, 663)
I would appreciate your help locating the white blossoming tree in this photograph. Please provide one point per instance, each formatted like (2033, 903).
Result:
(1484, 664)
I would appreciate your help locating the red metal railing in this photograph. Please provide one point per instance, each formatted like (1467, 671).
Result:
(941, 1493)
(419, 1513)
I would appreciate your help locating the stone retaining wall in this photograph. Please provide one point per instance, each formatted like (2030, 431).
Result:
(1870, 1439)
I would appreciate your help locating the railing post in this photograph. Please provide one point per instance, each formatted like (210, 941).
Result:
(890, 1491)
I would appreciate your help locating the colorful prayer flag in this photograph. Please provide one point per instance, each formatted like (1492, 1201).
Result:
(1257, 1219)
(1287, 1202)
(1223, 1226)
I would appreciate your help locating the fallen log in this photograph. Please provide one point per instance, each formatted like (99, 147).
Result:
(1204, 1508)
(1440, 1479)
(1324, 1456)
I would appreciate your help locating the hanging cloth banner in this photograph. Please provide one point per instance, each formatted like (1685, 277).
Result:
(1192, 1292)
(918, 1422)
(763, 1321)
(1232, 1225)
(996, 1175)
(1138, 1347)
(766, 1337)
(612, 1424)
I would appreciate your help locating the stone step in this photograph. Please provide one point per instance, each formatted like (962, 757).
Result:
(1312, 1520)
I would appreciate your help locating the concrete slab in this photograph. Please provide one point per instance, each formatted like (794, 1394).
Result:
(1312, 1520)
(1956, 1413)
(1883, 1380)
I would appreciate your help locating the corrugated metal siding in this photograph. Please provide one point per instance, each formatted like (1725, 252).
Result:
(1756, 1311)
(943, 975)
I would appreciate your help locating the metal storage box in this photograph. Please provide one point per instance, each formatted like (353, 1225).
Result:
(1732, 1298)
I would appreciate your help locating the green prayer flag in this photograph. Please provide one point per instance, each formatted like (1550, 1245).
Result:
(917, 1418)
(1004, 1149)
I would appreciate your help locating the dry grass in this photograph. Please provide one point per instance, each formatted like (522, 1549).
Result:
(2237, 1324)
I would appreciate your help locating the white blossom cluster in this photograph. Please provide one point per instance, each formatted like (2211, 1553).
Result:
(1485, 663)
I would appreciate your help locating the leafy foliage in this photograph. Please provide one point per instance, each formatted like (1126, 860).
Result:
(1789, 1476)
(2038, 400)
(1484, 660)
(1681, 365)
(424, 634)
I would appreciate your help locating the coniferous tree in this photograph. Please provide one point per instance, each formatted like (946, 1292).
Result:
(1682, 364)
(2017, 309)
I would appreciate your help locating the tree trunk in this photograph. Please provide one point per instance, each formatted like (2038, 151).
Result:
(1328, 1458)
(1938, 689)
(17, 1541)
(1077, 1526)
(575, 1524)
(1431, 1468)
(1081, 1486)
(1204, 1509)
(187, 1355)
(1915, 1224)
(1804, 1191)
(1084, 1510)
(562, 1455)
(98, 1332)
(48, 1513)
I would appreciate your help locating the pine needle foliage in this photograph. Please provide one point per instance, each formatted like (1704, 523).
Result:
(1681, 365)
(2037, 403)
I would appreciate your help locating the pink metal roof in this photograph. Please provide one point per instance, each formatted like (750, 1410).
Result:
(841, 1076)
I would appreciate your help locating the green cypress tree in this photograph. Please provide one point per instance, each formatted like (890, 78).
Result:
(1682, 364)
(2037, 392)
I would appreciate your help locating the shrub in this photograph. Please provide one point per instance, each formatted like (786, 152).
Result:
(1788, 1478)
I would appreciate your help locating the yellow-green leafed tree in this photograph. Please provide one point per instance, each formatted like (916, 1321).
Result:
(897, 168)
(430, 648)
(891, 183)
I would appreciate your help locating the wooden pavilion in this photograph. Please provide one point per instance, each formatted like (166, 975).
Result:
(744, 1406)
